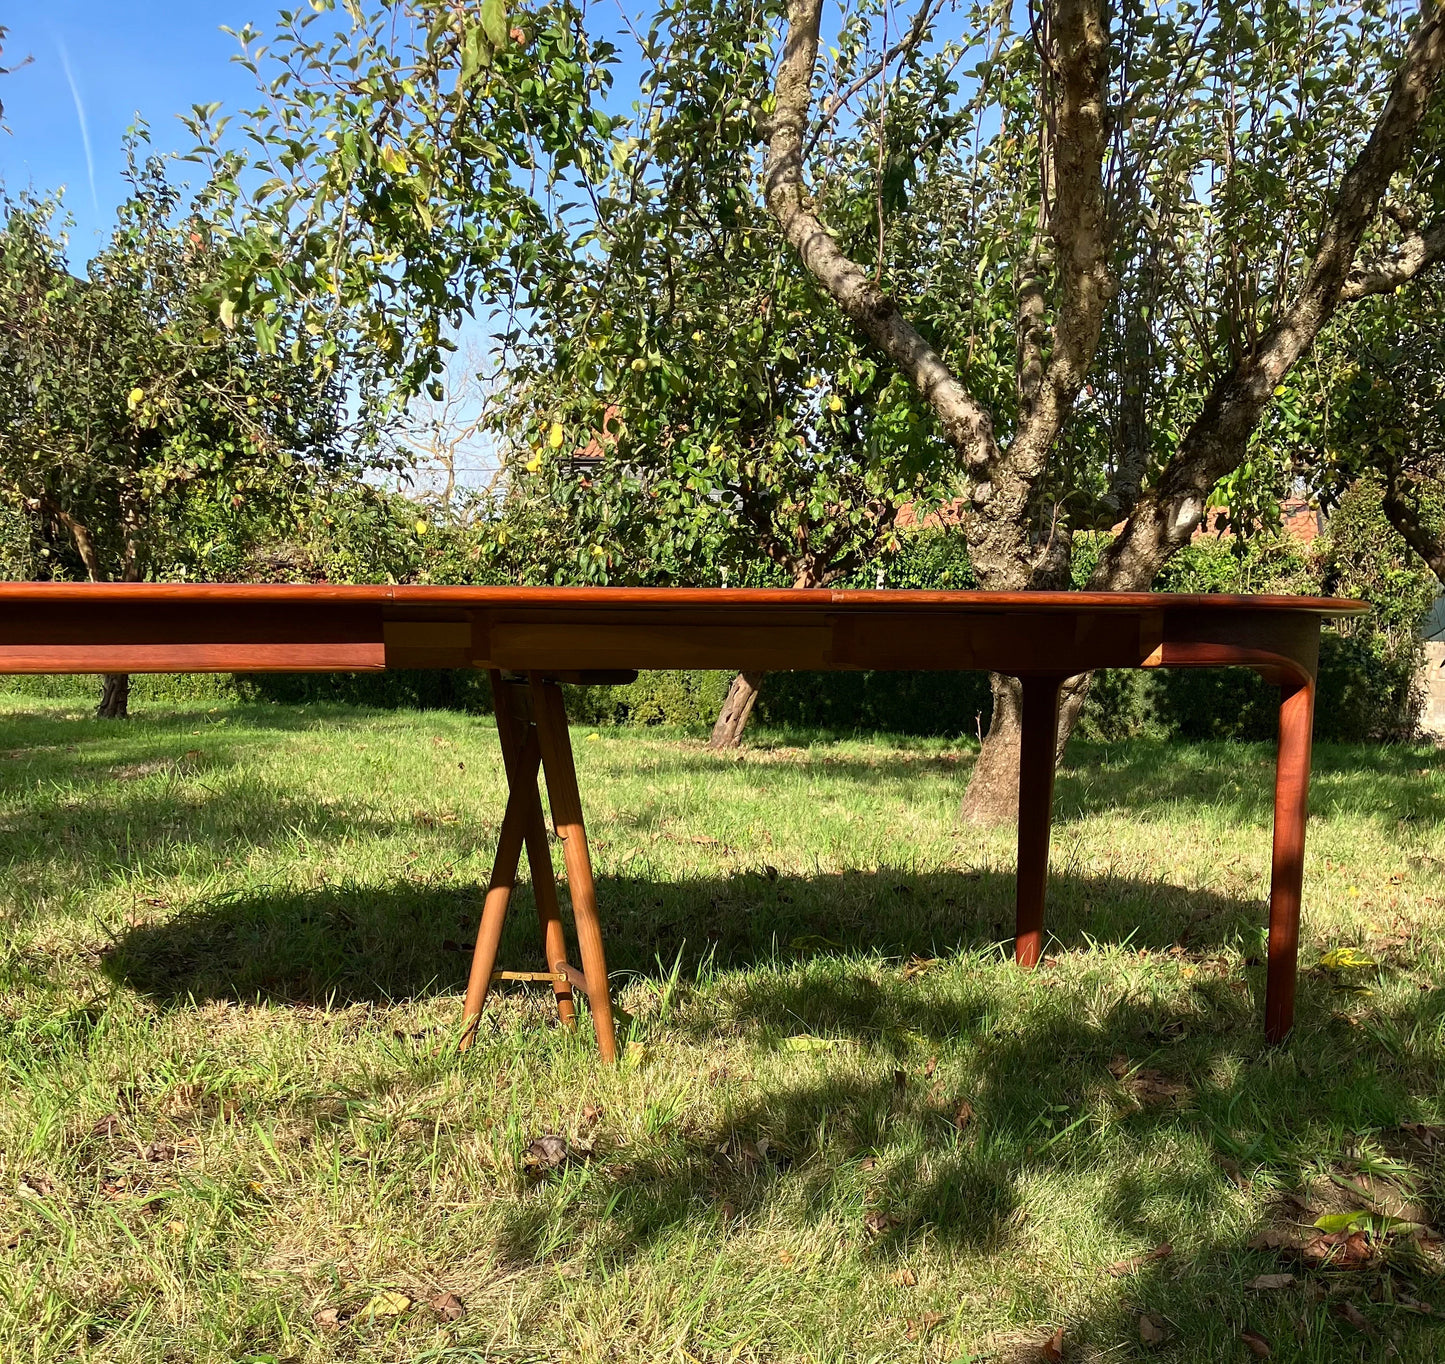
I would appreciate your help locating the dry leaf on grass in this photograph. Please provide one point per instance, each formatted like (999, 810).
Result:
(107, 1126)
(547, 1152)
(448, 1306)
(1257, 1344)
(905, 1278)
(1147, 1086)
(879, 1223)
(920, 1327)
(387, 1303)
(1351, 1314)
(1120, 1268)
(1151, 1332)
(35, 1186)
(1052, 1349)
(963, 1114)
(328, 1318)
(1267, 1281)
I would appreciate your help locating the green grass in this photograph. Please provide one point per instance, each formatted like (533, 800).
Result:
(230, 978)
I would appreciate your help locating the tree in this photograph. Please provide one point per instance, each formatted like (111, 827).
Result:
(1384, 372)
(1142, 117)
(140, 432)
(1039, 232)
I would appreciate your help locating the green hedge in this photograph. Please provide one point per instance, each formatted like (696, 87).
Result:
(1367, 673)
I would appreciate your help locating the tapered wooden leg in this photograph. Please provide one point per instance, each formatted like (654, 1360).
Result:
(566, 801)
(499, 889)
(513, 728)
(1036, 805)
(1291, 809)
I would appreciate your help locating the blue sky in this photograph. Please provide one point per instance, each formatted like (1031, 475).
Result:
(152, 57)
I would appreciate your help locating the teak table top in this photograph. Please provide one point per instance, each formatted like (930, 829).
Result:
(256, 627)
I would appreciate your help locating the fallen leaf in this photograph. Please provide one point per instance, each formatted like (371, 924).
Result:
(807, 1042)
(916, 966)
(1267, 1281)
(963, 1115)
(592, 1114)
(637, 1054)
(1148, 1086)
(1376, 1223)
(157, 1151)
(328, 1318)
(729, 1210)
(1150, 1331)
(786, 1257)
(36, 1186)
(930, 1067)
(1053, 1348)
(1412, 1304)
(906, 1278)
(917, 1329)
(879, 1223)
(1347, 959)
(1339, 1250)
(1351, 1314)
(387, 1303)
(448, 1306)
(1258, 1345)
(107, 1126)
(546, 1153)
(1120, 1268)
(1278, 1238)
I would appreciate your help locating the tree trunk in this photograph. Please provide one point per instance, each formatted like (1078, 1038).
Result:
(114, 697)
(992, 796)
(732, 719)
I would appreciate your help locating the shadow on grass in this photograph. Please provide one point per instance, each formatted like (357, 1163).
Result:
(352, 944)
(870, 1155)
(861, 1143)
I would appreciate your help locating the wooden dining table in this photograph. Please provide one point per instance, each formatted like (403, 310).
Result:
(532, 640)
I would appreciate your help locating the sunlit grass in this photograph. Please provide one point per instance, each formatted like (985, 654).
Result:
(233, 1119)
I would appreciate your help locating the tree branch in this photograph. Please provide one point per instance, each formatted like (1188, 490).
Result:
(1406, 519)
(1166, 516)
(1078, 51)
(927, 12)
(967, 426)
(1417, 252)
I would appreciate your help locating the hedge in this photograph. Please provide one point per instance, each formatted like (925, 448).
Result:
(1367, 684)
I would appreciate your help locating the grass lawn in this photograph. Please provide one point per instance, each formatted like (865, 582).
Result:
(233, 1125)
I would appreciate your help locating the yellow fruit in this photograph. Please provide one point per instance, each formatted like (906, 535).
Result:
(134, 398)
(556, 436)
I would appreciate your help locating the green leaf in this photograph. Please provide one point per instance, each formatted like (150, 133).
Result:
(494, 22)
(807, 1042)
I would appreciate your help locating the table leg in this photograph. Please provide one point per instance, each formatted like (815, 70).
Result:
(1291, 809)
(1036, 804)
(566, 801)
(499, 889)
(513, 727)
